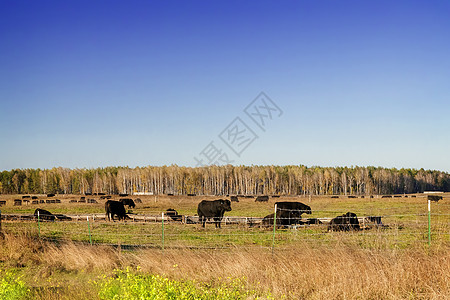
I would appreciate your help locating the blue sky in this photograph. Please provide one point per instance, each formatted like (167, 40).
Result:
(101, 83)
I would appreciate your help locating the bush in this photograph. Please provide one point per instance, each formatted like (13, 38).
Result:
(11, 286)
(129, 285)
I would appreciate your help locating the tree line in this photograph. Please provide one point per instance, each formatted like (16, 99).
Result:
(224, 180)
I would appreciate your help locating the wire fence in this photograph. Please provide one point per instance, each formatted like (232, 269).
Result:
(389, 228)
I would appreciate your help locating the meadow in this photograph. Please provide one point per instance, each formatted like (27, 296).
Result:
(55, 259)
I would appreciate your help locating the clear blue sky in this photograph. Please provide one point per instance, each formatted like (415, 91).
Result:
(101, 83)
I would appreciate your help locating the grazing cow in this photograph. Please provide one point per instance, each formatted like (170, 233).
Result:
(34, 197)
(346, 222)
(434, 197)
(115, 208)
(35, 202)
(17, 202)
(386, 196)
(351, 196)
(334, 197)
(191, 195)
(92, 201)
(44, 214)
(25, 197)
(293, 207)
(234, 199)
(128, 201)
(2, 202)
(50, 195)
(275, 196)
(283, 218)
(213, 209)
(123, 195)
(262, 199)
(42, 201)
(138, 200)
(173, 214)
(170, 194)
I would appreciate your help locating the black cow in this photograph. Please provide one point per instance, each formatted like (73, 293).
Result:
(293, 206)
(262, 199)
(115, 208)
(173, 214)
(213, 209)
(346, 222)
(283, 218)
(44, 215)
(128, 201)
(50, 195)
(234, 199)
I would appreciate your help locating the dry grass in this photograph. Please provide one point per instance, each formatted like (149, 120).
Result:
(296, 272)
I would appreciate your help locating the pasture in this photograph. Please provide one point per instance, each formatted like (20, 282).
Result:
(391, 261)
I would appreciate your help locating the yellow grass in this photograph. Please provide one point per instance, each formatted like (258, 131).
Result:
(305, 272)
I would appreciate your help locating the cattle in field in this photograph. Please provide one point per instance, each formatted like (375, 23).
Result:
(334, 197)
(191, 195)
(2, 202)
(312, 221)
(173, 214)
(234, 199)
(128, 201)
(213, 209)
(386, 196)
(262, 199)
(137, 200)
(35, 202)
(50, 195)
(275, 196)
(283, 218)
(17, 202)
(34, 197)
(293, 207)
(42, 201)
(346, 222)
(57, 201)
(92, 201)
(115, 208)
(44, 215)
(374, 219)
(88, 194)
(413, 196)
(170, 194)
(73, 201)
(434, 197)
(351, 196)
(82, 200)
(25, 197)
(123, 195)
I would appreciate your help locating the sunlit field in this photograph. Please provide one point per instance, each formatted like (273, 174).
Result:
(242, 260)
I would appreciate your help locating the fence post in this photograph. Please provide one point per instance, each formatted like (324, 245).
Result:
(39, 225)
(162, 219)
(89, 228)
(274, 227)
(429, 222)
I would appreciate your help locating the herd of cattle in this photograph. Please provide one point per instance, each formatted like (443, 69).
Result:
(288, 213)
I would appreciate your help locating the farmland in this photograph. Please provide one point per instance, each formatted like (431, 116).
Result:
(393, 261)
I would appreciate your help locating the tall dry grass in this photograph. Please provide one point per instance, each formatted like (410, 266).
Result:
(297, 272)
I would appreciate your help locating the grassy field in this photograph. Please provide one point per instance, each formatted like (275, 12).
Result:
(235, 262)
